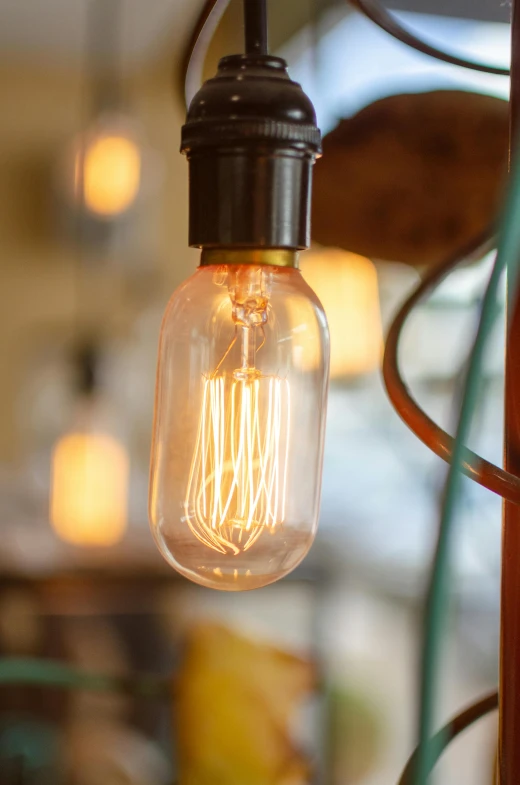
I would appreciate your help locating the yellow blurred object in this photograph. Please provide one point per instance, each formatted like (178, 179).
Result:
(347, 286)
(89, 489)
(236, 701)
(111, 174)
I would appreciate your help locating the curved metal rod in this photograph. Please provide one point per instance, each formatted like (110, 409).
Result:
(212, 11)
(387, 22)
(450, 731)
(487, 474)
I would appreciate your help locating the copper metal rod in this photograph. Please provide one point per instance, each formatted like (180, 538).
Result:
(509, 710)
(454, 728)
(506, 484)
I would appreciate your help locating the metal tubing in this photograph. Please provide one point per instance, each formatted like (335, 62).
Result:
(454, 728)
(509, 711)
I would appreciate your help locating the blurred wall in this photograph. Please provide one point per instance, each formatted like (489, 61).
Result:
(43, 297)
(39, 265)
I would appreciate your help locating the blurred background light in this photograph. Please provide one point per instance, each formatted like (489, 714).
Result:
(346, 285)
(89, 489)
(107, 173)
(89, 465)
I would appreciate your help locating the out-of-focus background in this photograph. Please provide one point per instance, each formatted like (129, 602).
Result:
(313, 679)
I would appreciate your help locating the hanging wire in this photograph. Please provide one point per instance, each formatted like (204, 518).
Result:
(255, 27)
(213, 10)
(255, 35)
(378, 14)
(105, 55)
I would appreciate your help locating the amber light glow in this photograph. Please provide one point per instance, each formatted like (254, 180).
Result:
(238, 477)
(111, 174)
(89, 489)
(238, 434)
(236, 487)
(347, 287)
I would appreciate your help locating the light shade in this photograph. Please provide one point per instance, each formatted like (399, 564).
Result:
(108, 169)
(346, 285)
(89, 489)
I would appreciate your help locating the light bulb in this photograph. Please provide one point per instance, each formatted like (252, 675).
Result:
(109, 170)
(239, 421)
(103, 168)
(347, 286)
(89, 481)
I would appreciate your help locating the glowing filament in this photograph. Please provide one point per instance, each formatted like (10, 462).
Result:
(238, 476)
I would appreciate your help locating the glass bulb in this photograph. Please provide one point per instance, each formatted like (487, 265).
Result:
(89, 483)
(103, 169)
(111, 174)
(348, 288)
(239, 425)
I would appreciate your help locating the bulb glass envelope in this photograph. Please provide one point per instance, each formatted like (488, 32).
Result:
(238, 434)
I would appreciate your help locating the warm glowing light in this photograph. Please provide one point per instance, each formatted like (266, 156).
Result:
(238, 477)
(238, 433)
(347, 287)
(89, 489)
(109, 169)
(237, 482)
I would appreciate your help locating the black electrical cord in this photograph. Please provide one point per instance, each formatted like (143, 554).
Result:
(212, 11)
(387, 22)
(255, 24)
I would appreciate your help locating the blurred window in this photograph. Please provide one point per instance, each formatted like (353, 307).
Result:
(345, 61)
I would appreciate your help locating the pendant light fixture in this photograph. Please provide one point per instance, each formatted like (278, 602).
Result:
(347, 286)
(107, 167)
(103, 166)
(240, 411)
(90, 470)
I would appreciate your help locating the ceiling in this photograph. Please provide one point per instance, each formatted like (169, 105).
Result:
(58, 30)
